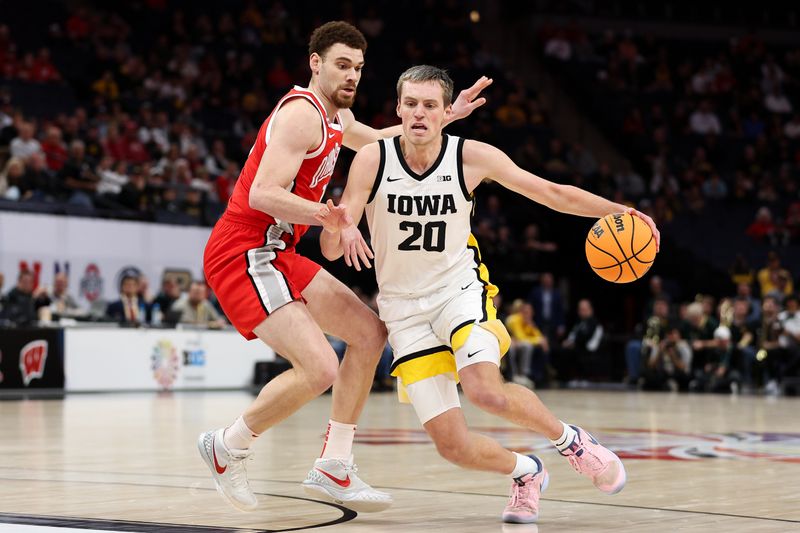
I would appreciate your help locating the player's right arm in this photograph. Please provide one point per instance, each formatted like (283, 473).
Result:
(348, 241)
(297, 128)
(483, 160)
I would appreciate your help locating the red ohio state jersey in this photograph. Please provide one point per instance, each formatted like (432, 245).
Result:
(310, 182)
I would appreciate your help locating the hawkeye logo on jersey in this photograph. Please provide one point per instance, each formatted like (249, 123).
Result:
(438, 204)
(444, 178)
(325, 169)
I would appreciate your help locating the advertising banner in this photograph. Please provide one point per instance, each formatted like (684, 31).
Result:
(31, 358)
(99, 359)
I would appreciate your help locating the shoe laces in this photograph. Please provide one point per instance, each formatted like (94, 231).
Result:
(585, 460)
(520, 493)
(238, 467)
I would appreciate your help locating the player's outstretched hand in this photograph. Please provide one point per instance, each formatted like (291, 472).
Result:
(649, 221)
(355, 249)
(332, 217)
(468, 100)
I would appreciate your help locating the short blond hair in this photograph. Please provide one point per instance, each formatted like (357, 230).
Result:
(423, 73)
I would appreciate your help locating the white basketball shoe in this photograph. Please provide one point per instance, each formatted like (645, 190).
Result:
(335, 480)
(228, 470)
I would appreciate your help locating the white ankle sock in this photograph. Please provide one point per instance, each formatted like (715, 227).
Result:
(338, 441)
(566, 438)
(525, 465)
(238, 436)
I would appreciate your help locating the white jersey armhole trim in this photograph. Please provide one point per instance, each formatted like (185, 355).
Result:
(318, 149)
(378, 175)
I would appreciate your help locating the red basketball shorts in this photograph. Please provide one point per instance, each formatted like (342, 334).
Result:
(252, 272)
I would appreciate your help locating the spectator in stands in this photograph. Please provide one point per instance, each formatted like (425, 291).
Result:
(792, 128)
(714, 188)
(195, 308)
(703, 121)
(646, 339)
(699, 332)
(135, 194)
(54, 149)
(62, 304)
(576, 359)
(540, 252)
(790, 340)
(581, 160)
(25, 145)
(130, 309)
(23, 303)
(529, 347)
(782, 286)
(768, 275)
(718, 373)
(771, 356)
(777, 102)
(217, 161)
(763, 228)
(78, 177)
(548, 307)
(169, 294)
(12, 178)
(741, 271)
(512, 114)
(558, 46)
(668, 364)
(743, 339)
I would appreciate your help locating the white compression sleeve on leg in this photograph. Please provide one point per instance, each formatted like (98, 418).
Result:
(480, 346)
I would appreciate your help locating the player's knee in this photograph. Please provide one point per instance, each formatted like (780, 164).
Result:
(378, 336)
(322, 375)
(453, 448)
(490, 399)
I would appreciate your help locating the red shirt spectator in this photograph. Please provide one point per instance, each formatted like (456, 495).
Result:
(54, 150)
(78, 26)
(115, 145)
(43, 69)
(763, 226)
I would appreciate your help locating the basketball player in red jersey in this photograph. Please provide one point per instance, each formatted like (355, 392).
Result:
(270, 292)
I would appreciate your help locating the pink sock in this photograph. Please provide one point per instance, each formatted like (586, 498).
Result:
(238, 436)
(338, 441)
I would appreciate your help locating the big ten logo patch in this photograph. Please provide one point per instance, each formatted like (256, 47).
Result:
(194, 360)
(32, 359)
(165, 363)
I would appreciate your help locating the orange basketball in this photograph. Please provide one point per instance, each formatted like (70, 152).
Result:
(620, 248)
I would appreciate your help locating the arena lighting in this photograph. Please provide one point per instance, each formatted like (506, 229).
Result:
(474, 16)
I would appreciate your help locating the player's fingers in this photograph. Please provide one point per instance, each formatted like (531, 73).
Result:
(330, 204)
(354, 258)
(362, 254)
(477, 103)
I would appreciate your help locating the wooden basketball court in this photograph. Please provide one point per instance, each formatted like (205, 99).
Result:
(129, 463)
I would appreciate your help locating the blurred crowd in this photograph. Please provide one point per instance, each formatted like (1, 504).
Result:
(30, 303)
(705, 123)
(157, 124)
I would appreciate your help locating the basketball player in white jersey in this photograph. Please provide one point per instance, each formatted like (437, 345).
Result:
(435, 295)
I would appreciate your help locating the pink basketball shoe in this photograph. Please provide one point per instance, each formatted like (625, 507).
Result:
(596, 462)
(523, 507)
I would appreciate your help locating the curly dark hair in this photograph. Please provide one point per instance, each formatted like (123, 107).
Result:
(334, 32)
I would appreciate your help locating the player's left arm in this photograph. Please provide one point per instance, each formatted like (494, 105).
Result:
(483, 160)
(357, 134)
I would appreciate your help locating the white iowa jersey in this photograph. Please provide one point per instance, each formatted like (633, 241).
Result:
(420, 224)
